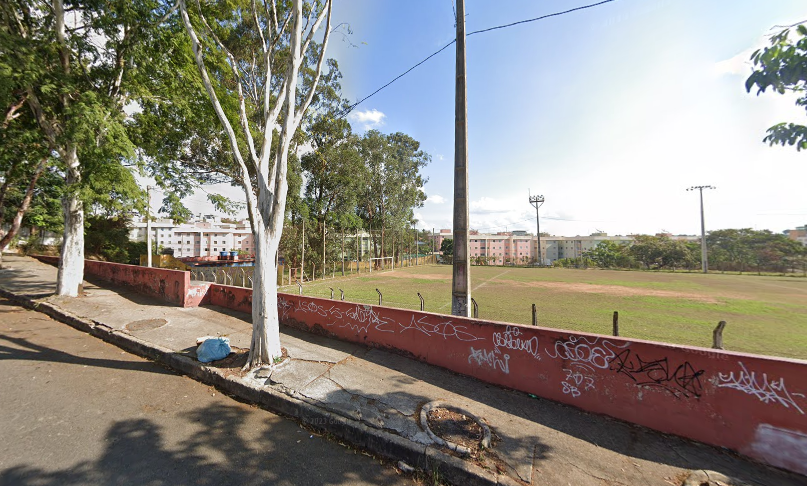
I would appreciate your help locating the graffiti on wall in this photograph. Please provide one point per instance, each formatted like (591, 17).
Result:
(579, 379)
(444, 329)
(595, 352)
(494, 359)
(684, 380)
(361, 318)
(765, 389)
(513, 339)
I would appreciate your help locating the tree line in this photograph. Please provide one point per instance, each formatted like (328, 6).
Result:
(189, 93)
(734, 250)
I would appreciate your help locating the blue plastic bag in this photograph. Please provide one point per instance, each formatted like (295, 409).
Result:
(213, 349)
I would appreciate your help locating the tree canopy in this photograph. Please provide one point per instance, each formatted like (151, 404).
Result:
(782, 67)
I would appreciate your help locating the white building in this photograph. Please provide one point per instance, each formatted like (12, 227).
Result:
(200, 238)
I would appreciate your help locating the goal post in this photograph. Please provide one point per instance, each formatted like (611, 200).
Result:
(385, 263)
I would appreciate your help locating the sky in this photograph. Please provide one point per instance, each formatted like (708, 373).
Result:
(610, 113)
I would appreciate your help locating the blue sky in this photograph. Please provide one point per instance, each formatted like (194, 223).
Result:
(610, 113)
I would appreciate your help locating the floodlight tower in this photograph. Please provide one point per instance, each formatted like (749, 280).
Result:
(704, 261)
(536, 202)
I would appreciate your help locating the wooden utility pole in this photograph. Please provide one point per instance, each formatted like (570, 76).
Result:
(461, 281)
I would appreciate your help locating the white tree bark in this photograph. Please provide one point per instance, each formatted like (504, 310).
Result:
(267, 204)
(71, 263)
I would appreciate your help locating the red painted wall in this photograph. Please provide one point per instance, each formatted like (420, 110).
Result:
(751, 404)
(169, 285)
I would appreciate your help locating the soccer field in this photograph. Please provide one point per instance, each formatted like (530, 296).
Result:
(765, 314)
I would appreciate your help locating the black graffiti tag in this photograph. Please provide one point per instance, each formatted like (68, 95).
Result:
(683, 381)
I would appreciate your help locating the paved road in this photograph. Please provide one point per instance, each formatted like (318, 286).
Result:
(75, 410)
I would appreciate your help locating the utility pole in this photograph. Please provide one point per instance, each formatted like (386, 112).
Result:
(433, 241)
(704, 257)
(461, 279)
(302, 260)
(536, 202)
(148, 227)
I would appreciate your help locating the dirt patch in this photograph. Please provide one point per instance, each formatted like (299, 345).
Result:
(455, 427)
(424, 276)
(622, 291)
(232, 364)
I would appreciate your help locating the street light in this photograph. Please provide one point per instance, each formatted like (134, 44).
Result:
(704, 261)
(537, 201)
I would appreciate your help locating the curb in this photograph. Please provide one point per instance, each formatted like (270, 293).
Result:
(389, 446)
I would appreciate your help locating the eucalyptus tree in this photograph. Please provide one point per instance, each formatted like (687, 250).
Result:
(73, 63)
(392, 184)
(266, 61)
(331, 170)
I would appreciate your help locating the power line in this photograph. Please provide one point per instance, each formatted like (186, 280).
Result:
(556, 14)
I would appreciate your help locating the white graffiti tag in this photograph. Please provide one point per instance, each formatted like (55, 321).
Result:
(598, 353)
(284, 307)
(495, 359)
(444, 329)
(361, 318)
(767, 391)
(511, 339)
(577, 379)
(313, 308)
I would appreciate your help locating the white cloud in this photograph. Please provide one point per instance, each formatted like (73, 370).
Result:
(739, 64)
(436, 199)
(369, 118)
(489, 205)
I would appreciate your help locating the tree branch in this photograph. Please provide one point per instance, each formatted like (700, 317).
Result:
(197, 54)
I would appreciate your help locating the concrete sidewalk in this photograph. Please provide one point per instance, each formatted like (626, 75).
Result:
(377, 395)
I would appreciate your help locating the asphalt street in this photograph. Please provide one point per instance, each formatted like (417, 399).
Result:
(75, 410)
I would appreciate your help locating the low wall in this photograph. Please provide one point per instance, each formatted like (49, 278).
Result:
(172, 286)
(752, 404)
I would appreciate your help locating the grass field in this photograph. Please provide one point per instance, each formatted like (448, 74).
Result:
(765, 314)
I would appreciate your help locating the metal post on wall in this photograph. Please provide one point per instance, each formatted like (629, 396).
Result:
(616, 323)
(380, 297)
(534, 316)
(421, 301)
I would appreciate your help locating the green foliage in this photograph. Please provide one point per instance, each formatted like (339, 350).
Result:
(659, 252)
(608, 254)
(447, 247)
(392, 185)
(108, 238)
(782, 67)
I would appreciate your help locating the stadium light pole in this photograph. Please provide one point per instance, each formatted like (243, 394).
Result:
(536, 202)
(461, 278)
(704, 257)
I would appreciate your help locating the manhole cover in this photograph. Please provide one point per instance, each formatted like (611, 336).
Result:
(454, 427)
(145, 324)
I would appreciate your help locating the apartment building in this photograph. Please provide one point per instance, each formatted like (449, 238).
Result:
(206, 237)
(521, 247)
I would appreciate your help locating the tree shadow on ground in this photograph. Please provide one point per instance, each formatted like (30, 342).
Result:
(224, 444)
(22, 349)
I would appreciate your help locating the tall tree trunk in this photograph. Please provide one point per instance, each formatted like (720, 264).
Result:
(26, 202)
(71, 263)
(323, 247)
(265, 346)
